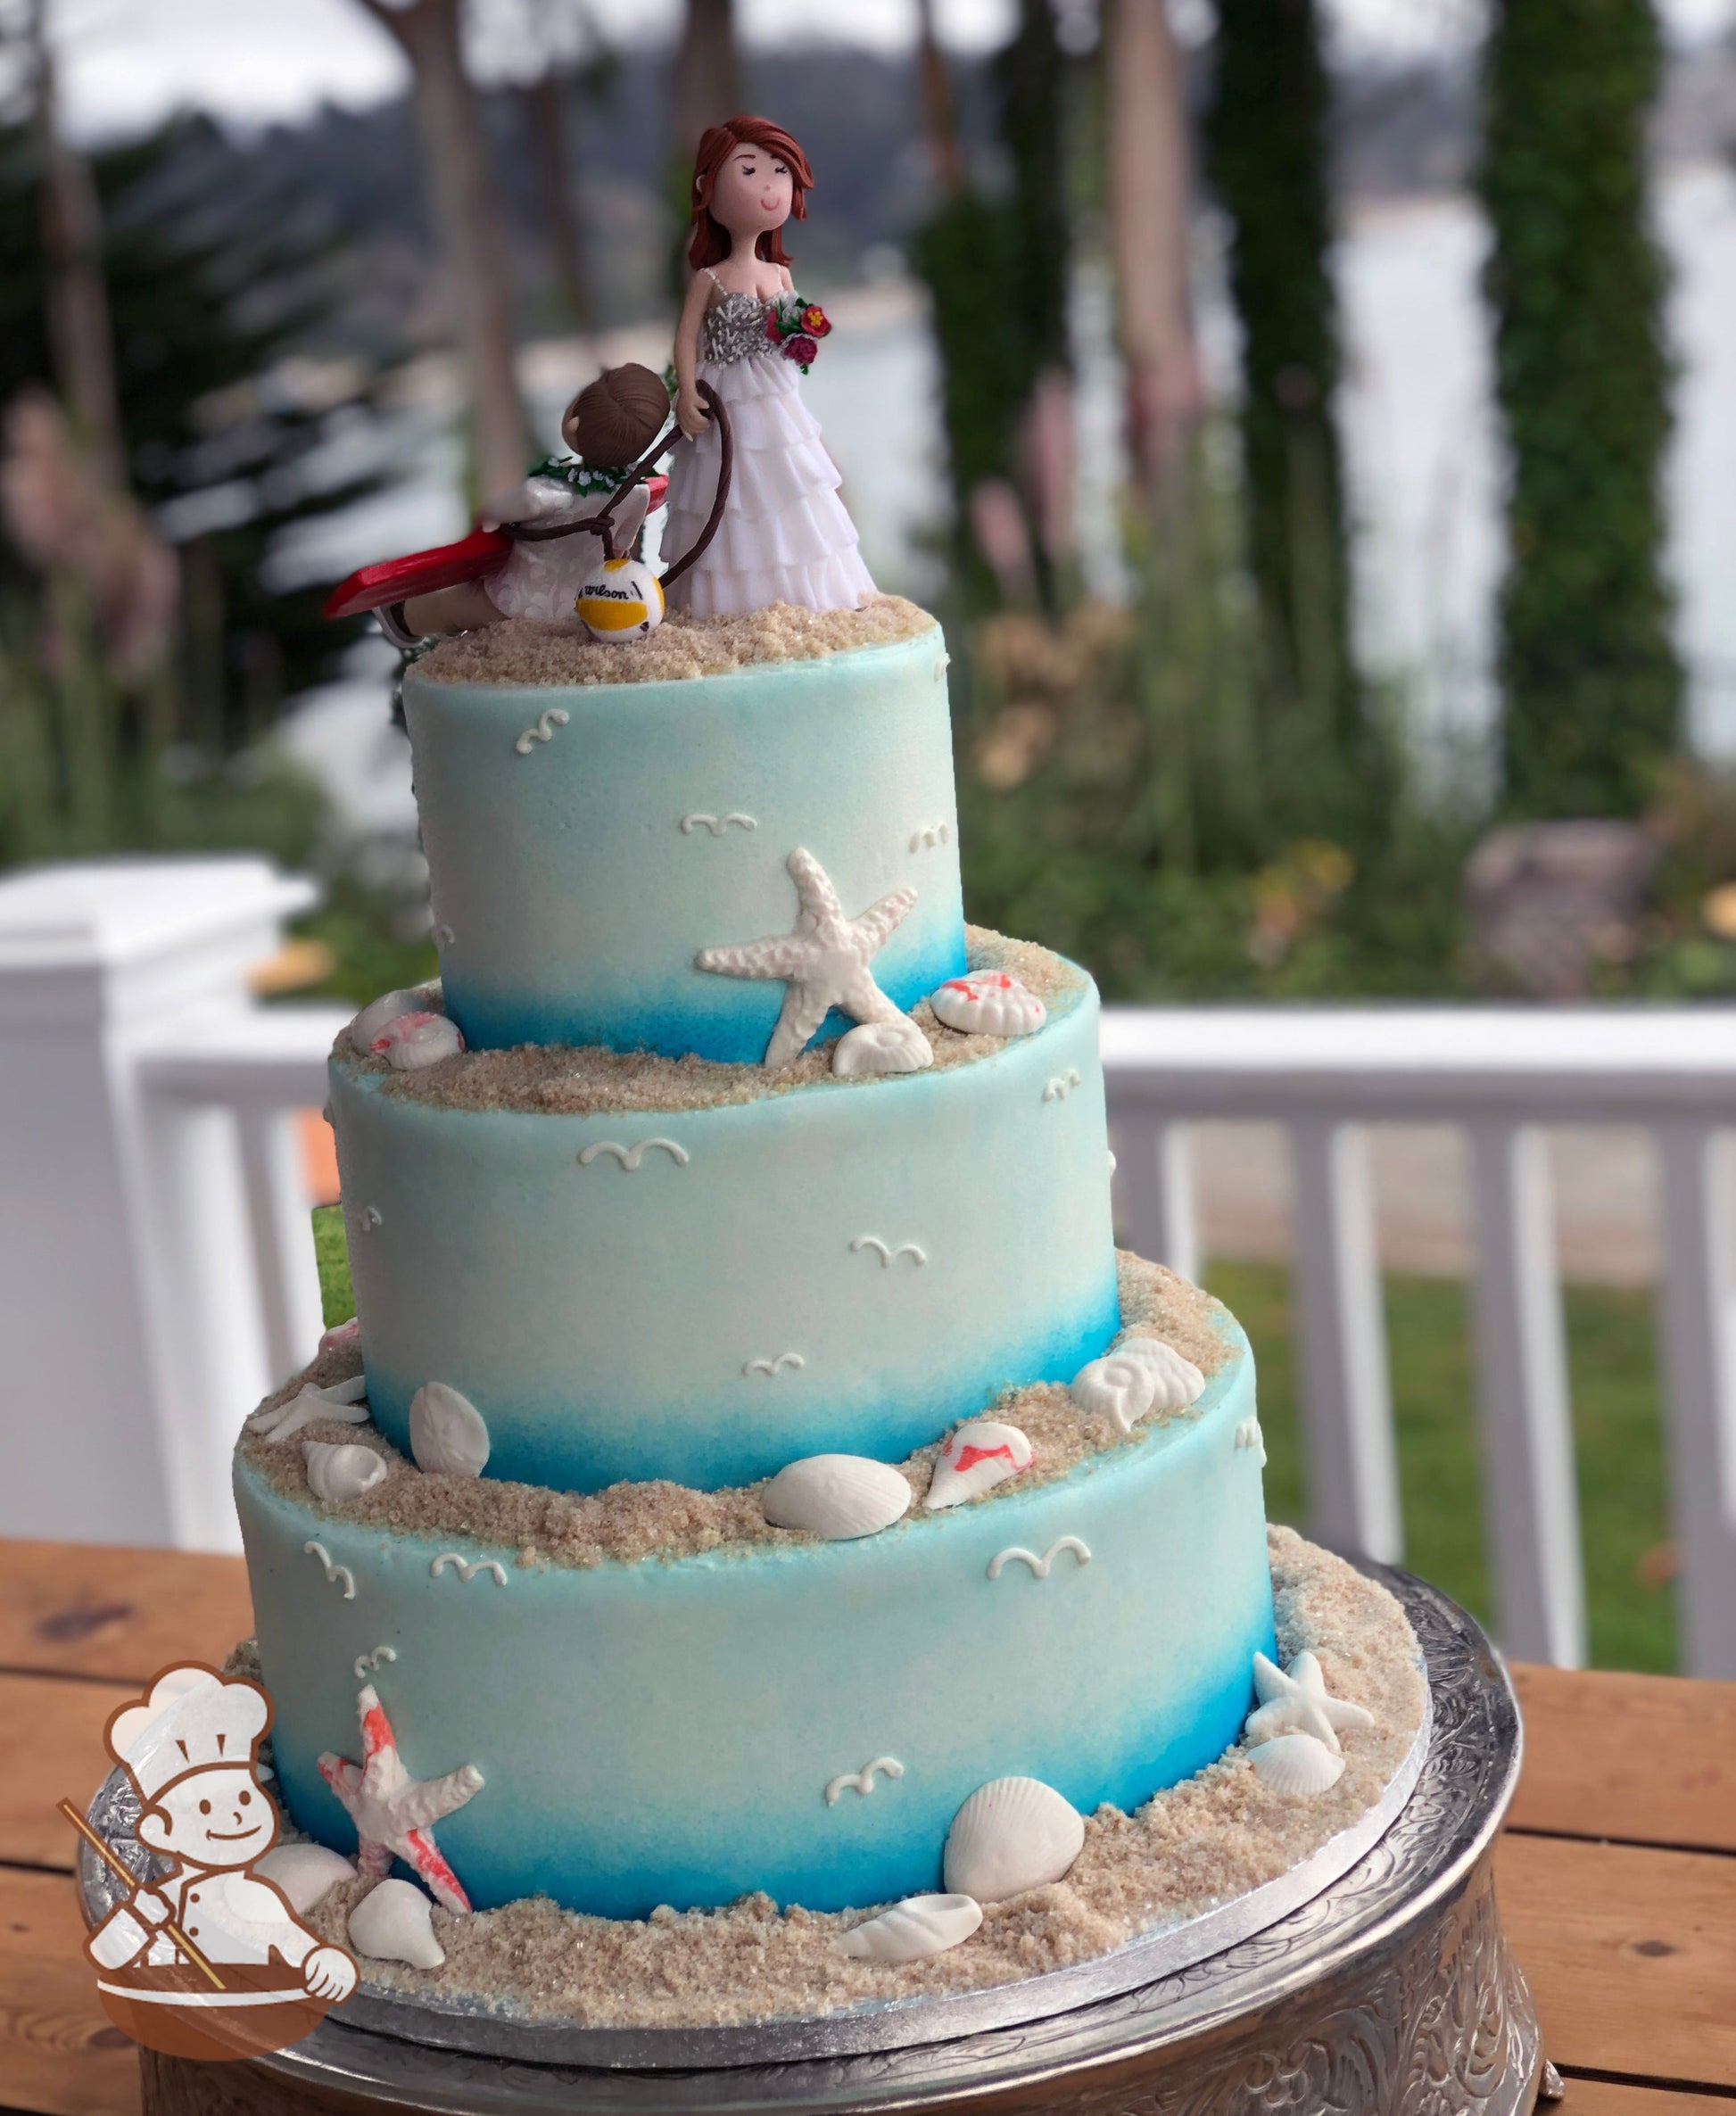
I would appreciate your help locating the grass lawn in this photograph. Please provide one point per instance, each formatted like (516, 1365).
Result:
(1616, 1428)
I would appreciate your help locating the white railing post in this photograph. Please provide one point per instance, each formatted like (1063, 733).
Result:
(1530, 1501)
(1353, 1479)
(1698, 1287)
(99, 962)
(1154, 1166)
(282, 1237)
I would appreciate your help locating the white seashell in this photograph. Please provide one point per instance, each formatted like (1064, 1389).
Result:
(447, 1435)
(1296, 1764)
(393, 1923)
(837, 1496)
(378, 1016)
(881, 1047)
(343, 1333)
(918, 1926)
(1011, 1835)
(336, 1472)
(1179, 1381)
(307, 1874)
(1123, 1389)
(975, 1458)
(988, 1003)
(417, 1040)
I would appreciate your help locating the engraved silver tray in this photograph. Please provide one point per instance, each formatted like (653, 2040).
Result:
(1384, 1945)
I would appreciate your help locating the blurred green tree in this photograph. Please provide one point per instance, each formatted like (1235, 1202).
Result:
(212, 294)
(997, 263)
(1592, 687)
(1266, 157)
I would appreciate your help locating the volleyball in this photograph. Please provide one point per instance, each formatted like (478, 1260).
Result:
(621, 599)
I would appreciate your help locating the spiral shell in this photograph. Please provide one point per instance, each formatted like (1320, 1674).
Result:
(378, 1016)
(978, 1457)
(988, 1003)
(447, 1435)
(414, 1041)
(1011, 1835)
(837, 1496)
(306, 1873)
(1297, 1765)
(338, 1472)
(394, 1923)
(1142, 1375)
(918, 1926)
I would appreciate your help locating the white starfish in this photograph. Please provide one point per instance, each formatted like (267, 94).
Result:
(1296, 1703)
(344, 1400)
(823, 959)
(395, 1812)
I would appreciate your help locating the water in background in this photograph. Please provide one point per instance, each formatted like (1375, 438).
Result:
(1420, 436)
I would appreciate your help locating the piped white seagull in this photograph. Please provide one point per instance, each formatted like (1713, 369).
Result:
(1295, 1702)
(824, 960)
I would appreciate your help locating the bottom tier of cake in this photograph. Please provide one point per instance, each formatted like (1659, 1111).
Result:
(774, 1713)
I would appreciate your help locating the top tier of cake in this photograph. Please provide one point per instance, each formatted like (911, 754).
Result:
(585, 843)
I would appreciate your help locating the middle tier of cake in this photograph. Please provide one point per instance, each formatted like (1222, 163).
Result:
(636, 1268)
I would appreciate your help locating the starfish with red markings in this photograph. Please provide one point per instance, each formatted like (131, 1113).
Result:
(393, 1812)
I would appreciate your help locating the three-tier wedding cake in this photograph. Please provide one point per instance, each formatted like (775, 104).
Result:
(753, 1489)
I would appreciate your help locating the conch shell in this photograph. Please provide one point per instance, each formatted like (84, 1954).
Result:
(978, 1457)
(918, 1926)
(394, 1923)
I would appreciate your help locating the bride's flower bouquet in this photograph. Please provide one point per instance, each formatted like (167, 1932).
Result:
(796, 328)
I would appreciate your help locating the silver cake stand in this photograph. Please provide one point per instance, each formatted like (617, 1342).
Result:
(1388, 1990)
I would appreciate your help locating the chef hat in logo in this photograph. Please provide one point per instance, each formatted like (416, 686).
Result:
(192, 1719)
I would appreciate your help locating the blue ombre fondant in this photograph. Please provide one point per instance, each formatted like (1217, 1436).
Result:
(606, 1322)
(665, 1732)
(574, 901)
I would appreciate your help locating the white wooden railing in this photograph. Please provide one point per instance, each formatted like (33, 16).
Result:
(1501, 1074)
(157, 1272)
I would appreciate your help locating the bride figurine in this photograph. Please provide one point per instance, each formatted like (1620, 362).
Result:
(785, 535)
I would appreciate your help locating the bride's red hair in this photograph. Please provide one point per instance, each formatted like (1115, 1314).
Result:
(711, 240)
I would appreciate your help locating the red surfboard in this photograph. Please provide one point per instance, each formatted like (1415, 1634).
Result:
(424, 573)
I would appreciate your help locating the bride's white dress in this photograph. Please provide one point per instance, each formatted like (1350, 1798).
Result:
(786, 535)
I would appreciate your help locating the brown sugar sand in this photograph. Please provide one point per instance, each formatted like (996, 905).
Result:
(1214, 1836)
(537, 650)
(560, 1079)
(628, 1524)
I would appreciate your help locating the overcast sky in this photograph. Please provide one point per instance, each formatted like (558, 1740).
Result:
(128, 62)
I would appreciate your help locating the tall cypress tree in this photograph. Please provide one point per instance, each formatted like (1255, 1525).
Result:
(1592, 688)
(1266, 157)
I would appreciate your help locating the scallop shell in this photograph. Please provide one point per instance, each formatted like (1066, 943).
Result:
(393, 1923)
(343, 1333)
(447, 1435)
(1124, 1390)
(1011, 1835)
(918, 1926)
(881, 1047)
(414, 1041)
(1297, 1765)
(975, 1458)
(988, 1003)
(306, 1873)
(338, 1472)
(378, 1014)
(1179, 1381)
(837, 1496)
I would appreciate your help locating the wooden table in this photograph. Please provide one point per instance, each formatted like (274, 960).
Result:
(1618, 1872)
